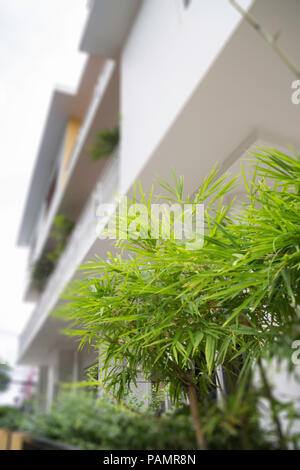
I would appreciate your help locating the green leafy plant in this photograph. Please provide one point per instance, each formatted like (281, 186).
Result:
(178, 314)
(44, 266)
(10, 418)
(87, 422)
(62, 228)
(139, 327)
(106, 142)
(80, 419)
(41, 271)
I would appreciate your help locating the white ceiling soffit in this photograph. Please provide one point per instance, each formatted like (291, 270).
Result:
(107, 26)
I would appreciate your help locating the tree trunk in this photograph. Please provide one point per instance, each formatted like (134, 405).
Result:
(194, 407)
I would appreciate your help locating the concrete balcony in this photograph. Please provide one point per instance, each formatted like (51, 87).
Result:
(95, 103)
(82, 175)
(42, 332)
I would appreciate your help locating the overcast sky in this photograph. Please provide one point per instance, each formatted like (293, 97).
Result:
(39, 42)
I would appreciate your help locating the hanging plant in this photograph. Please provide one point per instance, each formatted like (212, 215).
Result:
(62, 229)
(106, 142)
(44, 266)
(41, 271)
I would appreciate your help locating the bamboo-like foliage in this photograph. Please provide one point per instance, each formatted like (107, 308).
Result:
(176, 314)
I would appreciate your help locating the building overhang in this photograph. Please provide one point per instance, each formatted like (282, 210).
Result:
(107, 26)
(63, 104)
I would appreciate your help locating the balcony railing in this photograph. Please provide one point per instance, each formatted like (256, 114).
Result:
(99, 91)
(81, 240)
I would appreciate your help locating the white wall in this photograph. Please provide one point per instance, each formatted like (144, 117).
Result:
(168, 52)
(286, 389)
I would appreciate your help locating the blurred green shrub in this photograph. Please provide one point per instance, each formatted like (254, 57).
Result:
(79, 419)
(11, 418)
(62, 229)
(4, 376)
(44, 266)
(41, 271)
(105, 143)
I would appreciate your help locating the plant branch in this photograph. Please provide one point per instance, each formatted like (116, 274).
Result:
(194, 407)
(271, 40)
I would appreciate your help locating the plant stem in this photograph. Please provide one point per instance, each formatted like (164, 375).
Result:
(194, 407)
(271, 40)
(246, 444)
(271, 399)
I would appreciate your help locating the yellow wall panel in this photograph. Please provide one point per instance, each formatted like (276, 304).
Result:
(4, 439)
(72, 130)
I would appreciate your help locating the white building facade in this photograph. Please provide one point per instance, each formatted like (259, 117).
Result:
(190, 83)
